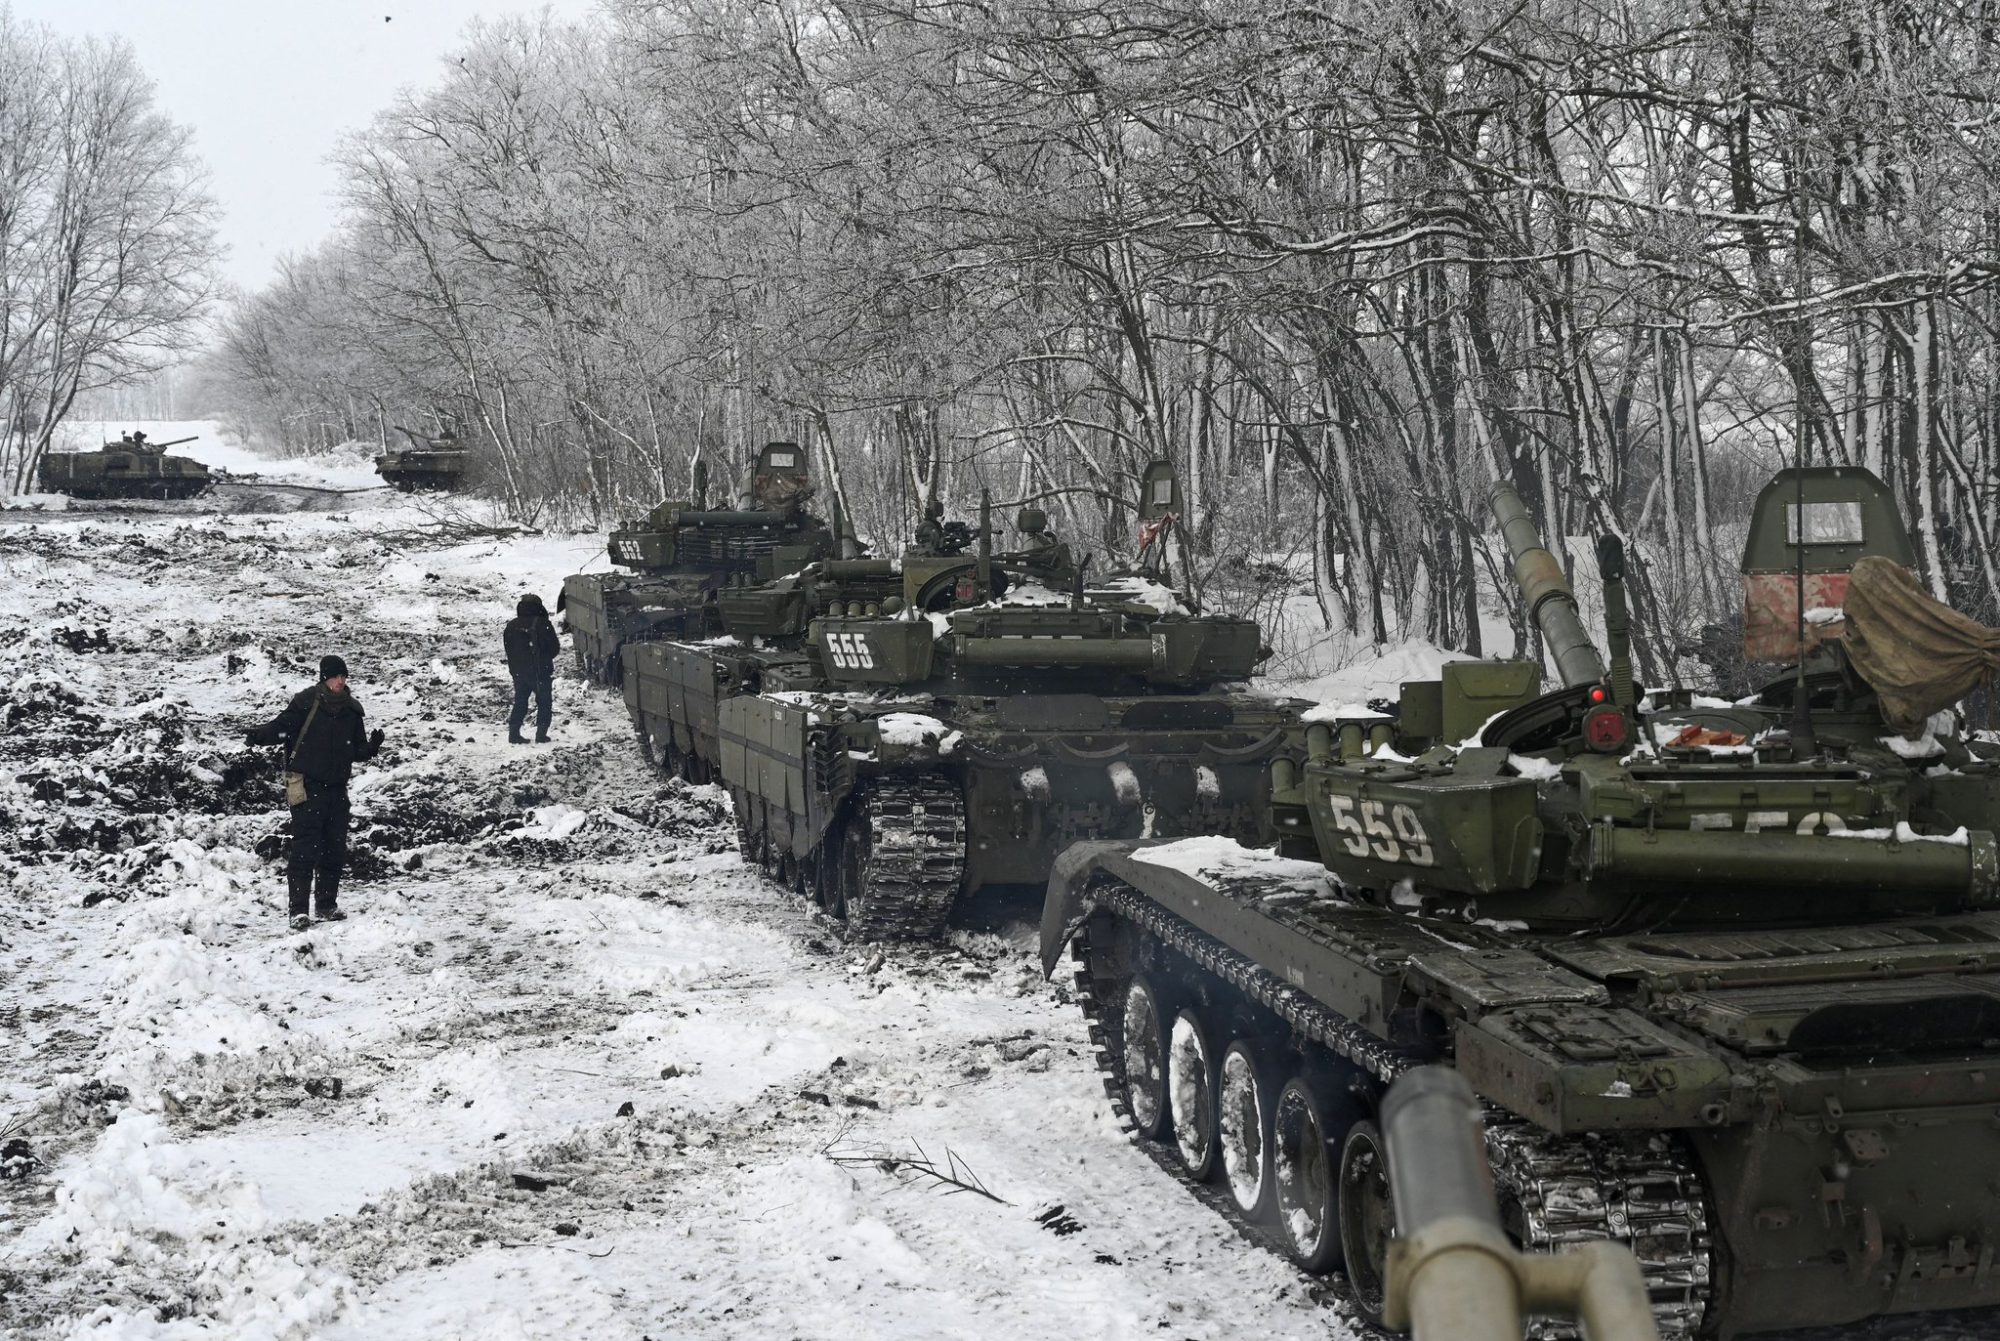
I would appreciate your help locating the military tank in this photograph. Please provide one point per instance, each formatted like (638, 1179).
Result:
(1722, 972)
(674, 689)
(955, 735)
(426, 465)
(131, 467)
(681, 553)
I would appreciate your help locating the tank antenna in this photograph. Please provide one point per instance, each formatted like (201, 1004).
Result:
(1803, 744)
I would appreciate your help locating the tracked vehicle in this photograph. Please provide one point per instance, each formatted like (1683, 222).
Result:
(680, 554)
(132, 467)
(957, 734)
(1724, 973)
(426, 465)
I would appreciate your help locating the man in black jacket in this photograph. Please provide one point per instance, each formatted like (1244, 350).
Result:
(531, 646)
(321, 730)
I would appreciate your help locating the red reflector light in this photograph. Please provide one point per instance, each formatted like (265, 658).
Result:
(1597, 695)
(1605, 730)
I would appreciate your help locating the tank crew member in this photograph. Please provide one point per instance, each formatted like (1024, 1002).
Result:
(531, 646)
(321, 730)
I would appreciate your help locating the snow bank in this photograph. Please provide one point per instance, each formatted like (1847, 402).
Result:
(1217, 859)
(140, 1200)
(916, 730)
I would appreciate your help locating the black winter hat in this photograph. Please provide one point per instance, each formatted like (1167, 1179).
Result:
(530, 604)
(331, 666)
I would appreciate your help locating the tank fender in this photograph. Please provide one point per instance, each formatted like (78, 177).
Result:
(1063, 910)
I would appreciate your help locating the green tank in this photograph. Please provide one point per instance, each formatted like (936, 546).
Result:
(948, 722)
(1723, 973)
(427, 465)
(681, 553)
(132, 467)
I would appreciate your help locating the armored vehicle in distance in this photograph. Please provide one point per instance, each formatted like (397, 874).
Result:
(426, 464)
(958, 733)
(1723, 972)
(681, 553)
(131, 467)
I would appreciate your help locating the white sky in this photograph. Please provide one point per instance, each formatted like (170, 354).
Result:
(269, 87)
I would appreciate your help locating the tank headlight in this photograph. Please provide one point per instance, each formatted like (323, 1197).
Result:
(1605, 729)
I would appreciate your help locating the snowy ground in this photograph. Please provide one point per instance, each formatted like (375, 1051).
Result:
(572, 1070)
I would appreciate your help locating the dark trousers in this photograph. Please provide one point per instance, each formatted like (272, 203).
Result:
(542, 686)
(319, 846)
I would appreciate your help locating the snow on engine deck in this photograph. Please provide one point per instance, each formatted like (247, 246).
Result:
(570, 1070)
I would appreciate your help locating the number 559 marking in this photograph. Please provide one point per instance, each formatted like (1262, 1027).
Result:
(1370, 833)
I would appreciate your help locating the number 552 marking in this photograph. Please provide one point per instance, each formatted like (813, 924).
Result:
(1384, 832)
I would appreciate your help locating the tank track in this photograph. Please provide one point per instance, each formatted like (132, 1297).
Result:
(1568, 1189)
(916, 860)
(1575, 1189)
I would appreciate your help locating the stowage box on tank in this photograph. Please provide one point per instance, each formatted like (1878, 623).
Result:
(1724, 972)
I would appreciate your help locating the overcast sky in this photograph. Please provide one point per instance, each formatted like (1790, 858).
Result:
(269, 87)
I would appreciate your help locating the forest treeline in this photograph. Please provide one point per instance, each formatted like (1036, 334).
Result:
(1344, 263)
(107, 234)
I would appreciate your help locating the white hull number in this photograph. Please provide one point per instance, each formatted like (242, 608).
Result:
(1386, 833)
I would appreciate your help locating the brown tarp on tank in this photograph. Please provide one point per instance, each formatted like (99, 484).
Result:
(1920, 655)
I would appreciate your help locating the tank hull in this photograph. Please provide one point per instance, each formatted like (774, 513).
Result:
(1826, 1094)
(1025, 776)
(419, 471)
(122, 475)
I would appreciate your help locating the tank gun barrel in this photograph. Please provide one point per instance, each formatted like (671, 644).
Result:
(175, 442)
(1545, 589)
(734, 517)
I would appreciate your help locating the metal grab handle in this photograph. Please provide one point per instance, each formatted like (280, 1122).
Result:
(1453, 1275)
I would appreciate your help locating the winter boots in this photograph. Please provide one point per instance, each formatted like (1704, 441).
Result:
(516, 738)
(301, 891)
(329, 898)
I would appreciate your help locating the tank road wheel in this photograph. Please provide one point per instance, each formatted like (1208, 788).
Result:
(1246, 1095)
(1191, 1091)
(1142, 1058)
(1367, 1218)
(1307, 1126)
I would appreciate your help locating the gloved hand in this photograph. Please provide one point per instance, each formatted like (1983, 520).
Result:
(375, 739)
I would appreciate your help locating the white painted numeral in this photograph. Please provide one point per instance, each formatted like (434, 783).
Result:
(1386, 833)
(850, 651)
(1411, 830)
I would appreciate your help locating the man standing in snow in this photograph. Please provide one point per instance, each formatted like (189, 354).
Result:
(321, 730)
(531, 646)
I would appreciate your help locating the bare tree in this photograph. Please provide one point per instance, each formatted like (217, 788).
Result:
(107, 233)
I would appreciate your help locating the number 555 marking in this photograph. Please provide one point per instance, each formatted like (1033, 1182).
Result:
(1386, 833)
(850, 651)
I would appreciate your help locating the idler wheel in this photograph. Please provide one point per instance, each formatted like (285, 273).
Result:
(1142, 1032)
(1367, 1218)
(1191, 1088)
(1305, 1149)
(1246, 1093)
